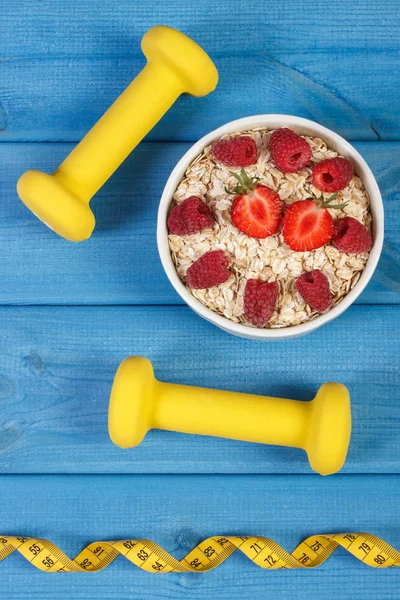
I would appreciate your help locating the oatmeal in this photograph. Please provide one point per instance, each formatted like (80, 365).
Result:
(268, 259)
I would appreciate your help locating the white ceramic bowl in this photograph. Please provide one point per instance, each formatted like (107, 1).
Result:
(305, 127)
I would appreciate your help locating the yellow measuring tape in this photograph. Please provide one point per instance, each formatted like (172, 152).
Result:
(207, 555)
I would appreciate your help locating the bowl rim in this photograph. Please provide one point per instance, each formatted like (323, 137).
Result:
(305, 127)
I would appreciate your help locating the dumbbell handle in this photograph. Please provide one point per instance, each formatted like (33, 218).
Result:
(247, 417)
(123, 126)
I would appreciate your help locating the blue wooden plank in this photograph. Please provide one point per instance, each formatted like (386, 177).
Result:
(57, 365)
(98, 28)
(59, 99)
(120, 264)
(178, 512)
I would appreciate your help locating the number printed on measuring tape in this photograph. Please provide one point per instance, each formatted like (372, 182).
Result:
(207, 555)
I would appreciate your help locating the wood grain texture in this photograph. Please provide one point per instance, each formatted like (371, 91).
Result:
(57, 365)
(59, 99)
(178, 512)
(120, 264)
(100, 28)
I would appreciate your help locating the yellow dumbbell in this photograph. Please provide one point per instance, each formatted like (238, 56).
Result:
(139, 402)
(175, 65)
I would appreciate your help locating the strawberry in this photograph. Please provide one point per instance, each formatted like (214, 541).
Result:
(332, 174)
(260, 301)
(307, 224)
(239, 151)
(289, 150)
(257, 209)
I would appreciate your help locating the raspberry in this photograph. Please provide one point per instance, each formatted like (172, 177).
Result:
(289, 151)
(350, 236)
(191, 216)
(260, 301)
(210, 269)
(240, 151)
(313, 287)
(332, 174)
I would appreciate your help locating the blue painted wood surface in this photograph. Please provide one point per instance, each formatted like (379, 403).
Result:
(57, 374)
(69, 95)
(61, 64)
(100, 28)
(180, 511)
(41, 268)
(272, 57)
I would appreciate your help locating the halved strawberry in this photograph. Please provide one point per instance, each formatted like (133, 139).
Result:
(307, 226)
(257, 209)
